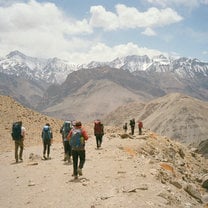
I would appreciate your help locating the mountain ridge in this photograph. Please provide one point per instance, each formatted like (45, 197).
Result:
(175, 115)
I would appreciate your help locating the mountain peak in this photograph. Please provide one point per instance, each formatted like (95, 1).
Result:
(16, 54)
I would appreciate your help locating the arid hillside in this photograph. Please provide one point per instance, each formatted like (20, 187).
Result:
(175, 115)
(11, 111)
(93, 100)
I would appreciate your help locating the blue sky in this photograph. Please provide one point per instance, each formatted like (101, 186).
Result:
(87, 30)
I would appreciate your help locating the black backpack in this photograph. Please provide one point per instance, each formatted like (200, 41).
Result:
(66, 128)
(16, 131)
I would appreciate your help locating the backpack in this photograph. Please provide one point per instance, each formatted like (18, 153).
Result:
(66, 128)
(140, 124)
(98, 128)
(132, 123)
(77, 140)
(46, 133)
(16, 131)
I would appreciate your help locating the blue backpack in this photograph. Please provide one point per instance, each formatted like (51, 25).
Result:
(16, 131)
(46, 133)
(77, 140)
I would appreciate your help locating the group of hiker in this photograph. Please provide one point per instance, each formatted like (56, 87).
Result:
(73, 138)
(132, 124)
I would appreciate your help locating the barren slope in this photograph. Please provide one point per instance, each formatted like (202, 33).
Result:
(11, 111)
(175, 115)
(93, 100)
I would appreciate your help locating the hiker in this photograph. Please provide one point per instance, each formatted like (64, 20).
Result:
(77, 137)
(65, 129)
(98, 132)
(132, 125)
(140, 126)
(47, 137)
(125, 128)
(18, 135)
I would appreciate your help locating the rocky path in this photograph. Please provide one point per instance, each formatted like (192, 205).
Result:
(118, 175)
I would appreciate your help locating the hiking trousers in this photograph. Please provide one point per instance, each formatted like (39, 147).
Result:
(78, 156)
(46, 147)
(67, 148)
(99, 139)
(132, 130)
(140, 131)
(19, 144)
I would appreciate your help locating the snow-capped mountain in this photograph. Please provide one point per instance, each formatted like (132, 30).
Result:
(56, 70)
(182, 67)
(52, 70)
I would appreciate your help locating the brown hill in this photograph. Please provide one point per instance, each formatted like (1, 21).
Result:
(14, 86)
(92, 93)
(93, 100)
(176, 116)
(11, 111)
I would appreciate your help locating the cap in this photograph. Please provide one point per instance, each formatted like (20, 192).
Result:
(78, 123)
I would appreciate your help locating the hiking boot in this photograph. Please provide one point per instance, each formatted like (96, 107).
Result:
(16, 160)
(75, 177)
(65, 157)
(21, 160)
(48, 158)
(44, 157)
(69, 160)
(79, 171)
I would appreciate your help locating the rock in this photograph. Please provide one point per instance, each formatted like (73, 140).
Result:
(205, 181)
(205, 198)
(31, 183)
(176, 184)
(124, 136)
(192, 191)
(181, 153)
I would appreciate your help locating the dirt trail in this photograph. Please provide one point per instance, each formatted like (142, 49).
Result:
(117, 175)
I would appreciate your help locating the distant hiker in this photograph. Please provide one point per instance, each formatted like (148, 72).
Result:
(125, 128)
(65, 129)
(18, 135)
(47, 137)
(77, 137)
(140, 126)
(98, 132)
(132, 125)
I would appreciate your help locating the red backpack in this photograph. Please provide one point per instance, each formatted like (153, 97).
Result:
(140, 124)
(98, 127)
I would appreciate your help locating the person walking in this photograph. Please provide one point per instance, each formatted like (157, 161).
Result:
(65, 129)
(132, 125)
(125, 128)
(140, 126)
(98, 132)
(47, 137)
(77, 137)
(18, 135)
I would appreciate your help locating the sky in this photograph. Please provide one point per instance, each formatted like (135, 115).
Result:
(82, 31)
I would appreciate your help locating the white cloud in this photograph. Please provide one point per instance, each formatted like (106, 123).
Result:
(43, 30)
(38, 27)
(178, 3)
(149, 32)
(129, 17)
(103, 19)
(102, 52)
(204, 2)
